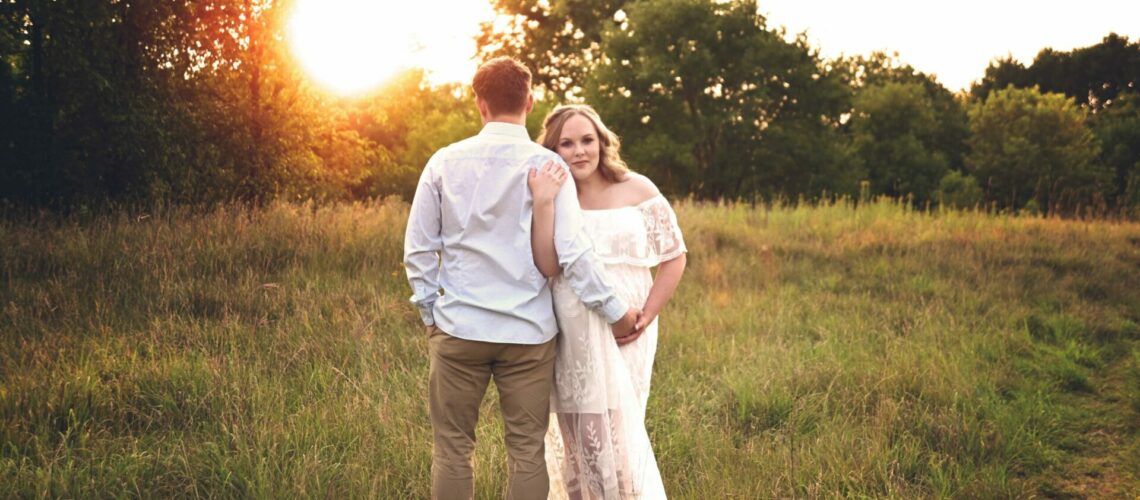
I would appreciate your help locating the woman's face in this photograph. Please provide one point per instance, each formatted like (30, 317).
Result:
(579, 146)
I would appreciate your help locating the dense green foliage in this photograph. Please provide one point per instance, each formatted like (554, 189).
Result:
(1095, 76)
(894, 132)
(1103, 78)
(713, 103)
(1118, 128)
(195, 102)
(1028, 147)
(112, 103)
(810, 352)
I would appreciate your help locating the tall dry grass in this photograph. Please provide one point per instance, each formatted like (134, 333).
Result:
(811, 351)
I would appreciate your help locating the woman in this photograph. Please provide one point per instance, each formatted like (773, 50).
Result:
(599, 447)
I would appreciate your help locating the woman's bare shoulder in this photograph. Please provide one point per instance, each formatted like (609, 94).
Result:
(638, 188)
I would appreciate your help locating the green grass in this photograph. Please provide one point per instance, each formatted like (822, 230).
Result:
(809, 352)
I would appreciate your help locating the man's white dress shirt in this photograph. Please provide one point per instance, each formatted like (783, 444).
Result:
(469, 235)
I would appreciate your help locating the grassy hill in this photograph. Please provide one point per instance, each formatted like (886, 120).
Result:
(809, 351)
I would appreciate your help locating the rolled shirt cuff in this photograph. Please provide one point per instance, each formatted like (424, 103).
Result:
(426, 315)
(614, 309)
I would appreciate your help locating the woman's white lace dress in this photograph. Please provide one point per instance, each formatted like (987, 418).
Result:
(597, 446)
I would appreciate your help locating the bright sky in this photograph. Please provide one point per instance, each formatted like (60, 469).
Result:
(352, 45)
(454, 26)
(954, 40)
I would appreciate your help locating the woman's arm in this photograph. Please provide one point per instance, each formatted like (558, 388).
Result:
(544, 184)
(664, 284)
(542, 239)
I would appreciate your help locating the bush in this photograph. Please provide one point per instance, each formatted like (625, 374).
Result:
(958, 190)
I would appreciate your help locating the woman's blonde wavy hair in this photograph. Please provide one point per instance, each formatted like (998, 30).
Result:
(612, 167)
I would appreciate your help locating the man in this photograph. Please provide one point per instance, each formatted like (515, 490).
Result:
(469, 234)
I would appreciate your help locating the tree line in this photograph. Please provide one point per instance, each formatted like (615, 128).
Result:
(199, 101)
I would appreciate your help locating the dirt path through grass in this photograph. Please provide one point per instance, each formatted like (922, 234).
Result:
(1105, 444)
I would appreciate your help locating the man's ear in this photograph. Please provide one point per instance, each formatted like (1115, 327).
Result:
(484, 111)
(529, 103)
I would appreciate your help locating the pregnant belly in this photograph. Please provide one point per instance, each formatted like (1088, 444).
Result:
(630, 283)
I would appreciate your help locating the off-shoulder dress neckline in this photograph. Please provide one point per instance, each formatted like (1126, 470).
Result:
(638, 206)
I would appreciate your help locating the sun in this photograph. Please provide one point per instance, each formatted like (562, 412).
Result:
(350, 46)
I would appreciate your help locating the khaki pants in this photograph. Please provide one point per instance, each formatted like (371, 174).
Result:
(460, 372)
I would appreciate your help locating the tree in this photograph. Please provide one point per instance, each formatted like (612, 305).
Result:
(412, 120)
(710, 101)
(88, 108)
(1092, 75)
(559, 40)
(895, 132)
(949, 112)
(956, 189)
(1026, 145)
(1117, 126)
(190, 102)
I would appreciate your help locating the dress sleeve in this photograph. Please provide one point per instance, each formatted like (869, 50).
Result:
(665, 240)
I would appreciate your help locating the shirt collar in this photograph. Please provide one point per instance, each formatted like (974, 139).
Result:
(507, 129)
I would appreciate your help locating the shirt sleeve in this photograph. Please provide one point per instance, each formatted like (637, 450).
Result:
(665, 240)
(580, 266)
(423, 242)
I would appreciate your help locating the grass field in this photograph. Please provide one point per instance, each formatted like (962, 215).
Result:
(809, 352)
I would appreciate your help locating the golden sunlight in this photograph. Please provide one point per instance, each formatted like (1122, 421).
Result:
(351, 46)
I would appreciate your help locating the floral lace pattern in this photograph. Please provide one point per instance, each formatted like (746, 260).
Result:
(618, 239)
(597, 446)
